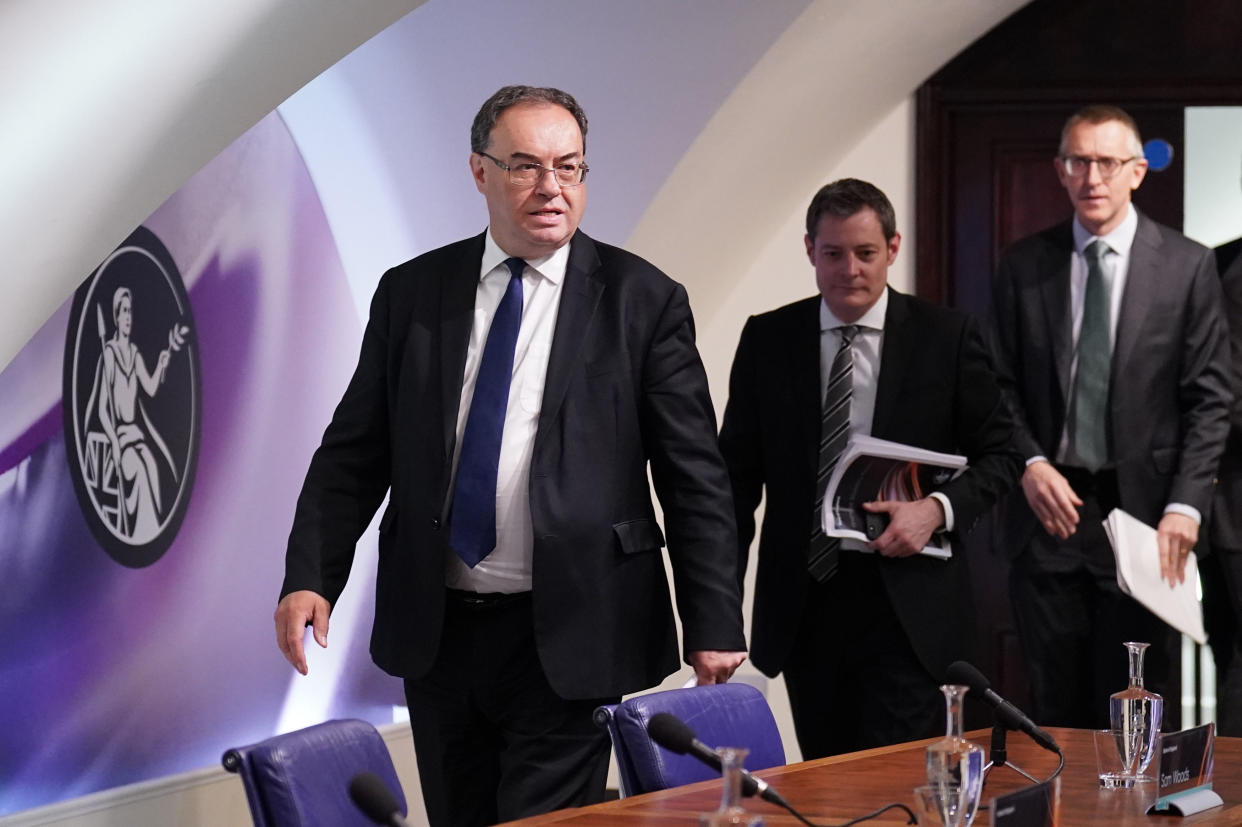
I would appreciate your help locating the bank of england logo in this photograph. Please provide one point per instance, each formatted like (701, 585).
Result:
(133, 400)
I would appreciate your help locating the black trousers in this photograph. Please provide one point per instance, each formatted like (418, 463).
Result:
(1221, 575)
(494, 742)
(854, 681)
(1073, 618)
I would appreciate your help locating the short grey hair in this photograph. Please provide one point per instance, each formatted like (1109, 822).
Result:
(1103, 113)
(507, 96)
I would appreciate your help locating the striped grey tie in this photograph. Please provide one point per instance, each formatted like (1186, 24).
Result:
(834, 434)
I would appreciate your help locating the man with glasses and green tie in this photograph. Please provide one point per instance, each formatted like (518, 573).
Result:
(1113, 355)
(511, 392)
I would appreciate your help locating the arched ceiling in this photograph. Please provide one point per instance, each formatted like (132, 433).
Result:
(109, 106)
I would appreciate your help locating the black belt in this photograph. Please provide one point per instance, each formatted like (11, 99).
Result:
(1084, 481)
(481, 601)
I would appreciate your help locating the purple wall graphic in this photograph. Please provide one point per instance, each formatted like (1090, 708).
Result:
(108, 674)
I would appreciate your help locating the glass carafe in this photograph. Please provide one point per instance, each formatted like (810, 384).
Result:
(1135, 714)
(955, 765)
(731, 811)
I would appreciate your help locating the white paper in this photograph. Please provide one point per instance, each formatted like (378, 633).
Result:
(1138, 574)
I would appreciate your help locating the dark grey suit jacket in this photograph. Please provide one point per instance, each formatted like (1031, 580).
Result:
(1169, 397)
(624, 387)
(937, 390)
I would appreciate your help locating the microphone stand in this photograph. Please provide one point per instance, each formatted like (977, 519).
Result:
(999, 757)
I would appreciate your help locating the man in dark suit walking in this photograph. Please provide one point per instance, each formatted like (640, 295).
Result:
(510, 392)
(863, 635)
(1221, 570)
(1113, 356)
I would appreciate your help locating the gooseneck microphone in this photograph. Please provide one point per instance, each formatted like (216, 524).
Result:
(674, 735)
(369, 792)
(1007, 715)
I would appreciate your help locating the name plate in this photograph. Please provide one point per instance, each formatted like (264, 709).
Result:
(1035, 806)
(1184, 780)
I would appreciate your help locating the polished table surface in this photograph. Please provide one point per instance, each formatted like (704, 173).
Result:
(833, 790)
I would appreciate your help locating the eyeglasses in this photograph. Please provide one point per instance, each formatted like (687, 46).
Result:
(1076, 166)
(527, 174)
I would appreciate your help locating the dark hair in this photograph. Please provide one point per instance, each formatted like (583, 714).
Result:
(844, 198)
(506, 96)
(1099, 113)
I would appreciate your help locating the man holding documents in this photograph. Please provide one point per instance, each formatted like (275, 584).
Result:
(1113, 356)
(863, 633)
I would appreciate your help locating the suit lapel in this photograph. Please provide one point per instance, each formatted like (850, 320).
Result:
(457, 295)
(804, 355)
(580, 296)
(1140, 291)
(1055, 295)
(898, 341)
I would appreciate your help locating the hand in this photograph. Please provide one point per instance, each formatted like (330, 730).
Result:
(910, 525)
(1051, 498)
(1176, 535)
(293, 613)
(176, 337)
(713, 666)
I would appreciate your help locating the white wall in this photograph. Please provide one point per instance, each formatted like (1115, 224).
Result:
(109, 105)
(1213, 186)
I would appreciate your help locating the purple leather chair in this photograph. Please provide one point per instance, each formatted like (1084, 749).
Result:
(723, 715)
(301, 778)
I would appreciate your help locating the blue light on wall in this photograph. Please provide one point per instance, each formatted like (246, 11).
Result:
(1159, 153)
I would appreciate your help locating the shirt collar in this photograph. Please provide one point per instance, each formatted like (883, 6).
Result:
(873, 319)
(1120, 240)
(552, 266)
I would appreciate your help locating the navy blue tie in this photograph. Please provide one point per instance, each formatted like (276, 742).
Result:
(472, 528)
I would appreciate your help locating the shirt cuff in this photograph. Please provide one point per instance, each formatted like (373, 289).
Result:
(1185, 510)
(1035, 459)
(948, 509)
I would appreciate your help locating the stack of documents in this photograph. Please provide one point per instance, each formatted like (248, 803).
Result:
(871, 470)
(1138, 575)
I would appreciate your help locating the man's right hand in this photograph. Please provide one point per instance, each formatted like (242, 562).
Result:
(293, 613)
(1051, 498)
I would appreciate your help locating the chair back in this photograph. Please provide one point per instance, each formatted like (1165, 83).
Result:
(301, 778)
(723, 715)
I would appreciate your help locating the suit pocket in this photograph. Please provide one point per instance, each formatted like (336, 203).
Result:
(1164, 460)
(599, 367)
(638, 535)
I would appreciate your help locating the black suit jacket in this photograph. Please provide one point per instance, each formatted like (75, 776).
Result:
(1169, 396)
(624, 387)
(1227, 254)
(1226, 523)
(936, 391)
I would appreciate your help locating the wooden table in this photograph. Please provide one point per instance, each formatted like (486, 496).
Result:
(833, 790)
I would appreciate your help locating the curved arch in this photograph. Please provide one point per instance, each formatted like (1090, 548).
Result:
(113, 104)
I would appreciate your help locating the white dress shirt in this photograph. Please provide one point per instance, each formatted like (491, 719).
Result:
(868, 345)
(508, 568)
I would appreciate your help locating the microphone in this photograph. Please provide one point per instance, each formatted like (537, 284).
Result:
(369, 792)
(1007, 715)
(671, 732)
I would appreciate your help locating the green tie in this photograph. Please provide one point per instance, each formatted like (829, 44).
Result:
(1090, 437)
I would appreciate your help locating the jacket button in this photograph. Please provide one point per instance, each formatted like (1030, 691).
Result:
(435, 523)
